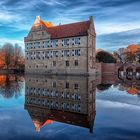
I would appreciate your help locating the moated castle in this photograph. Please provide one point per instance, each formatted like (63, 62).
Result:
(62, 49)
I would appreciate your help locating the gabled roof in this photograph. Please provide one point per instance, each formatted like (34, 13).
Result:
(69, 30)
(66, 30)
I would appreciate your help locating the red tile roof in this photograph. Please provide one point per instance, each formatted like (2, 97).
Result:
(68, 30)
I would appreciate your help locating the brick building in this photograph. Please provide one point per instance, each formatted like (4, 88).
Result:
(62, 49)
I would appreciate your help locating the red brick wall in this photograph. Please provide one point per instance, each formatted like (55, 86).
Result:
(108, 68)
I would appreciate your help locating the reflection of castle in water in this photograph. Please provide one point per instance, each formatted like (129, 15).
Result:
(69, 100)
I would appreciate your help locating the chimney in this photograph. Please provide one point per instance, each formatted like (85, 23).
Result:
(37, 20)
(91, 18)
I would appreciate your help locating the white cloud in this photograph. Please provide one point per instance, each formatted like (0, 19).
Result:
(108, 28)
(53, 2)
(117, 104)
(13, 41)
(5, 117)
(9, 17)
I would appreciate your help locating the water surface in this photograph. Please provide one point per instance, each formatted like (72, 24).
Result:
(60, 108)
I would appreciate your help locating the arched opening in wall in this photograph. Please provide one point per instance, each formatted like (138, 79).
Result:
(138, 73)
(129, 73)
(120, 73)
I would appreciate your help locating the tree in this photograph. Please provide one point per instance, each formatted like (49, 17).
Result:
(12, 57)
(117, 56)
(105, 57)
(129, 56)
(8, 52)
(137, 55)
(18, 56)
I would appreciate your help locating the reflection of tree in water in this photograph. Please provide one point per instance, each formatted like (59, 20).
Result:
(103, 87)
(11, 85)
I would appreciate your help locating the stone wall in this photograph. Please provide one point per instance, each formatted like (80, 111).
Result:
(45, 66)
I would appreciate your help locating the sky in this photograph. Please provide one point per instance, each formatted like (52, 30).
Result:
(117, 22)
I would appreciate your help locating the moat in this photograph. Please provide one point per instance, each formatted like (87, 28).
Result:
(69, 107)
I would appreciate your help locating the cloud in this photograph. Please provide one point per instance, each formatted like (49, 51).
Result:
(111, 17)
(117, 104)
(6, 16)
(117, 40)
(5, 117)
(13, 41)
(53, 2)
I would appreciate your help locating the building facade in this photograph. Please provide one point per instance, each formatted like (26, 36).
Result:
(62, 49)
(64, 99)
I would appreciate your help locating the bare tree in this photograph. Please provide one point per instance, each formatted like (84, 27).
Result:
(18, 55)
(8, 52)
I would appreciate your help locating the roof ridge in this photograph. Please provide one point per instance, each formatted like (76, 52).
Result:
(69, 24)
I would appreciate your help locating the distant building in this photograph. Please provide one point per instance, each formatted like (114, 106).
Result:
(62, 49)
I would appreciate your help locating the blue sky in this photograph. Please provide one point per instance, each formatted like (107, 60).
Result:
(117, 22)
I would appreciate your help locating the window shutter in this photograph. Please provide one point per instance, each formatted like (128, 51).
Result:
(79, 40)
(79, 52)
(56, 42)
(73, 52)
(62, 53)
(62, 42)
(68, 53)
(72, 41)
(68, 42)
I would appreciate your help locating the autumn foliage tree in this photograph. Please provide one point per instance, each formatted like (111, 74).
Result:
(130, 54)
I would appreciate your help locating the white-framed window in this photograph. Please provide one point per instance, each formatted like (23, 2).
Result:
(37, 45)
(55, 53)
(72, 53)
(38, 55)
(51, 53)
(29, 45)
(47, 55)
(46, 44)
(77, 41)
(54, 43)
(65, 42)
(30, 55)
(77, 52)
(66, 52)
(27, 56)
